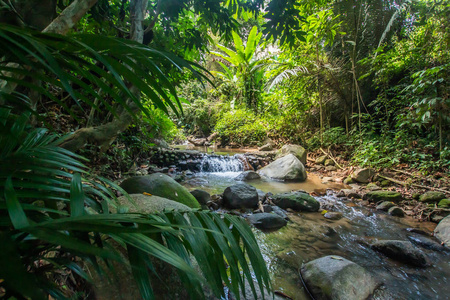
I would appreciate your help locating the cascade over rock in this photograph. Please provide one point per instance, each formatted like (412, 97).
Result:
(288, 167)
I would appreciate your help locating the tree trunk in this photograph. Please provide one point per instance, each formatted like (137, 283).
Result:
(105, 134)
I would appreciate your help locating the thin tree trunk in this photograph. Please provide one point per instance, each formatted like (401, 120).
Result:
(104, 134)
(320, 94)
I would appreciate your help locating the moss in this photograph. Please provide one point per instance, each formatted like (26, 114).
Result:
(432, 197)
(376, 196)
(444, 203)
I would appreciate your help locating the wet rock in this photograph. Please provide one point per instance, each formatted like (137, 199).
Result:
(333, 215)
(321, 160)
(267, 221)
(297, 201)
(444, 203)
(334, 277)
(247, 175)
(376, 196)
(418, 231)
(402, 251)
(426, 243)
(202, 197)
(431, 197)
(442, 231)
(385, 205)
(340, 194)
(267, 208)
(396, 211)
(240, 196)
(285, 168)
(281, 212)
(160, 185)
(351, 193)
(296, 150)
(149, 204)
(363, 175)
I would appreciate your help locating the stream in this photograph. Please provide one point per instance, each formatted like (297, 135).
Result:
(309, 236)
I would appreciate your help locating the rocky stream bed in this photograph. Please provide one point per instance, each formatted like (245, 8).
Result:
(320, 239)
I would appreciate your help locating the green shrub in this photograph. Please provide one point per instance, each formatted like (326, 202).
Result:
(242, 127)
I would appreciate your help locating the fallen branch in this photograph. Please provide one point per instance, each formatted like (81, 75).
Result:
(332, 158)
(414, 185)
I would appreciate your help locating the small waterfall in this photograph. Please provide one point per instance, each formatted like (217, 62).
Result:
(219, 163)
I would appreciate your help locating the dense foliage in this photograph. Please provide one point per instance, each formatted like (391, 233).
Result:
(371, 76)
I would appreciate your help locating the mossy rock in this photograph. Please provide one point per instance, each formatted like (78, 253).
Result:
(432, 197)
(376, 196)
(141, 203)
(416, 196)
(385, 183)
(444, 203)
(297, 201)
(348, 180)
(373, 187)
(161, 185)
(296, 150)
(321, 160)
(329, 162)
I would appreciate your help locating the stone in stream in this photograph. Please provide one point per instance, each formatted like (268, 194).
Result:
(396, 211)
(376, 196)
(149, 204)
(202, 197)
(296, 150)
(334, 277)
(281, 212)
(431, 197)
(247, 175)
(240, 196)
(385, 205)
(160, 185)
(426, 243)
(442, 231)
(267, 221)
(402, 251)
(333, 215)
(363, 175)
(297, 201)
(285, 168)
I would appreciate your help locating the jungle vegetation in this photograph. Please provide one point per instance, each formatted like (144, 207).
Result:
(88, 84)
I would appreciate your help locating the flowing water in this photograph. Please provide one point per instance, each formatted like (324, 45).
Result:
(309, 236)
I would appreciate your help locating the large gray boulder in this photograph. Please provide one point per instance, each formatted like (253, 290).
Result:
(298, 201)
(240, 196)
(442, 231)
(296, 150)
(160, 185)
(141, 203)
(402, 251)
(334, 277)
(288, 167)
(268, 221)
